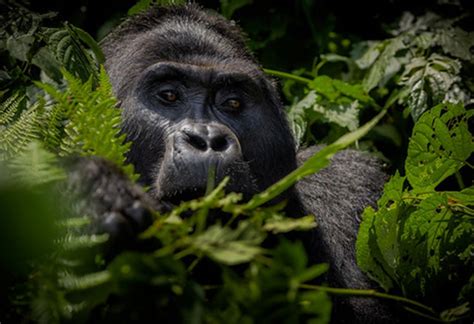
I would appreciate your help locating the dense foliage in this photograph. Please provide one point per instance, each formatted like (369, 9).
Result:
(411, 92)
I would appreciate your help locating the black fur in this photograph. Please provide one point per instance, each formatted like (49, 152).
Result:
(203, 46)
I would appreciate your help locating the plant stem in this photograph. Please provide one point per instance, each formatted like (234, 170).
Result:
(414, 311)
(368, 293)
(458, 176)
(288, 76)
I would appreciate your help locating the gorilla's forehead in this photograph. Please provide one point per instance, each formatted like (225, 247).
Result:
(194, 44)
(207, 70)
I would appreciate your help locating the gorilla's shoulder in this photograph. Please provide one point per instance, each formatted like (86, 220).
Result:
(353, 180)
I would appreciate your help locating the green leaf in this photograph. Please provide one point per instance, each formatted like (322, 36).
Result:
(228, 7)
(228, 246)
(46, 61)
(9, 108)
(312, 272)
(342, 114)
(94, 122)
(457, 313)
(20, 47)
(140, 6)
(22, 130)
(334, 89)
(89, 41)
(296, 117)
(71, 282)
(437, 245)
(377, 241)
(371, 52)
(36, 166)
(318, 305)
(284, 224)
(457, 43)
(427, 82)
(67, 45)
(385, 66)
(439, 145)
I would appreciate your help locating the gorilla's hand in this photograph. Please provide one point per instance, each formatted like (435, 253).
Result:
(114, 204)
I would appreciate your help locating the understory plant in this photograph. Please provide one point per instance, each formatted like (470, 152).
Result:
(411, 91)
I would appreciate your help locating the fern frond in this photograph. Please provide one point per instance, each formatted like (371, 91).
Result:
(73, 242)
(53, 130)
(15, 136)
(55, 116)
(9, 108)
(36, 166)
(94, 127)
(91, 280)
(75, 222)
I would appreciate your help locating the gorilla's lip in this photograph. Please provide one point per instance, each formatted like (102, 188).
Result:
(180, 195)
(183, 182)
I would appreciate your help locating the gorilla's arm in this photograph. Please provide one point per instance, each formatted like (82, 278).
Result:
(337, 197)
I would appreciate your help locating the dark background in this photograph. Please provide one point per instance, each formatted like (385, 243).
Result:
(284, 34)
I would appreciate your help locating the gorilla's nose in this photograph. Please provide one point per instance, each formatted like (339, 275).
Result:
(208, 140)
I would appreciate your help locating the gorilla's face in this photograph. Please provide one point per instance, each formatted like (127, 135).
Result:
(196, 105)
(191, 122)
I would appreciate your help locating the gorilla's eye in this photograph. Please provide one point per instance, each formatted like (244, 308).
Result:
(168, 95)
(233, 104)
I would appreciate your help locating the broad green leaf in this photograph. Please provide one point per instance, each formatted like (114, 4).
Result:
(392, 191)
(437, 240)
(324, 85)
(424, 40)
(371, 52)
(429, 222)
(457, 43)
(427, 81)
(46, 61)
(19, 47)
(343, 114)
(377, 241)
(439, 145)
(334, 89)
(386, 64)
(297, 116)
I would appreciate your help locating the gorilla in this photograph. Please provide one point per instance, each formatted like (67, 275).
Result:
(195, 99)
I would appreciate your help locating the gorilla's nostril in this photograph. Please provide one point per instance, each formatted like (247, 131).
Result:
(219, 144)
(196, 141)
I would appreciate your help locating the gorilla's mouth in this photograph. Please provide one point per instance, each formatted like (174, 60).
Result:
(175, 184)
(185, 194)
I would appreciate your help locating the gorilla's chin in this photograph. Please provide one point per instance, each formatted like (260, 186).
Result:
(176, 182)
